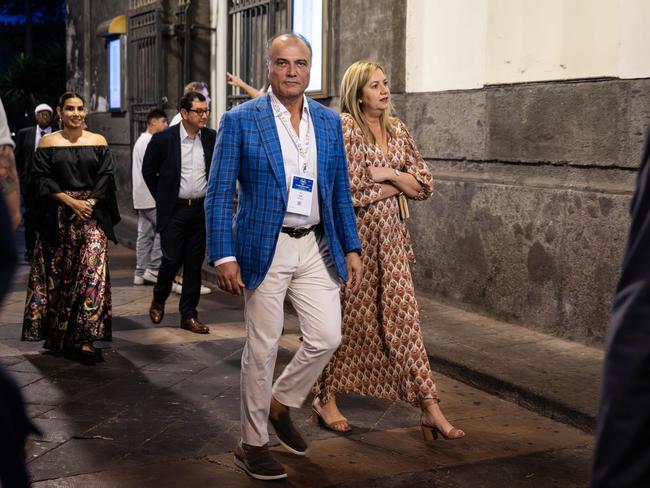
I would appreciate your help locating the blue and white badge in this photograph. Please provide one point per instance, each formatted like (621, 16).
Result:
(301, 193)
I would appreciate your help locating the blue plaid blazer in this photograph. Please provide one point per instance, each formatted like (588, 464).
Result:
(248, 150)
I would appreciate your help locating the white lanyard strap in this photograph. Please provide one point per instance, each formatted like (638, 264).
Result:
(302, 147)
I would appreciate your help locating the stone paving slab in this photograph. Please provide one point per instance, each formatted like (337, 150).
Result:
(553, 376)
(163, 410)
(537, 370)
(376, 454)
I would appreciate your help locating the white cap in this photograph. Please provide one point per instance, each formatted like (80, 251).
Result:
(41, 107)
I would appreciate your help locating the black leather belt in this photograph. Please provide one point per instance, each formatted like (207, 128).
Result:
(300, 232)
(190, 202)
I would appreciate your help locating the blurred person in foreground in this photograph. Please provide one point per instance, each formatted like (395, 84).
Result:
(622, 452)
(14, 424)
(9, 186)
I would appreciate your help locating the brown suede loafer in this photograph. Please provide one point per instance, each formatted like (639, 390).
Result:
(195, 325)
(288, 435)
(156, 312)
(258, 462)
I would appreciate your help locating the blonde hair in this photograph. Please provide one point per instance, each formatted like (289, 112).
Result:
(354, 79)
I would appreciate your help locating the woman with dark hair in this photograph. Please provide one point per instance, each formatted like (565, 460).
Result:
(73, 189)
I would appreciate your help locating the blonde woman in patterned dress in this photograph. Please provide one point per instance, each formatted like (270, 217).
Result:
(382, 352)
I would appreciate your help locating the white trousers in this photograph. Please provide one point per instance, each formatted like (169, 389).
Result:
(303, 269)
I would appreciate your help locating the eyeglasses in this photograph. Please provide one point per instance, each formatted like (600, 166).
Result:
(200, 112)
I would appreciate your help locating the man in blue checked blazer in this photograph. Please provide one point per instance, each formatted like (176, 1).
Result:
(294, 235)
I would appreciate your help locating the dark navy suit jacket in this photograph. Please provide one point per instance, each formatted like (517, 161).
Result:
(161, 168)
(622, 454)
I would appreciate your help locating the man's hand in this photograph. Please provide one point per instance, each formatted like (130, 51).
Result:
(355, 269)
(229, 277)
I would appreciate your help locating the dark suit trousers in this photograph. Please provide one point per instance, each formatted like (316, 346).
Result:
(183, 244)
(622, 451)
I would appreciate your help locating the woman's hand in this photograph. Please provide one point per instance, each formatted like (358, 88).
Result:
(401, 180)
(82, 208)
(380, 174)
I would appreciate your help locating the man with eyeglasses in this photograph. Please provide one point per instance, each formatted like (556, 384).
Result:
(203, 89)
(193, 86)
(175, 169)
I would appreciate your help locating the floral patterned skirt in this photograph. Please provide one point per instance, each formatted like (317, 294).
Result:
(69, 295)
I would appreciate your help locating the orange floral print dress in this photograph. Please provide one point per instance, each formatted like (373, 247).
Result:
(382, 353)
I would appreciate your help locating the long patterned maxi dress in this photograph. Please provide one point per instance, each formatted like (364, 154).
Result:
(382, 352)
(69, 295)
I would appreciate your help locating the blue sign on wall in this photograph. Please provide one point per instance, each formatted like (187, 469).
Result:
(114, 75)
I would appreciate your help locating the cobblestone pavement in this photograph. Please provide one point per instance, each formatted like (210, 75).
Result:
(163, 410)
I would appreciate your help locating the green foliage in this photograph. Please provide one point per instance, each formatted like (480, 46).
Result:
(30, 81)
(27, 81)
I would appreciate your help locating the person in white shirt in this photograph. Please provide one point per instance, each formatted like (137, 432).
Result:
(147, 247)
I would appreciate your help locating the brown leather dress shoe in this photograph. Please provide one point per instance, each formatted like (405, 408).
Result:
(156, 312)
(194, 325)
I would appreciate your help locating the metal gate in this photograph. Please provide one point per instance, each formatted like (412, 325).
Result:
(144, 61)
(250, 24)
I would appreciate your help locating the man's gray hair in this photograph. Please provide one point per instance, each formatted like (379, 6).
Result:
(291, 34)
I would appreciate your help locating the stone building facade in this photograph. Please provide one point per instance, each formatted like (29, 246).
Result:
(531, 116)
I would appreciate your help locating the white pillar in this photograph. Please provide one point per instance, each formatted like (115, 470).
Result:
(218, 54)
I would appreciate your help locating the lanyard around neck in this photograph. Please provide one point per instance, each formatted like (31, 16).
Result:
(302, 147)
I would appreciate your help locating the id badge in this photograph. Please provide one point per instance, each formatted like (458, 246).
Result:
(301, 191)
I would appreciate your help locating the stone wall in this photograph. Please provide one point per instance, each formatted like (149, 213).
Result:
(532, 181)
(529, 216)
(533, 184)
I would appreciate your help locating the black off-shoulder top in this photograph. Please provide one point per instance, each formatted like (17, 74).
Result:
(72, 168)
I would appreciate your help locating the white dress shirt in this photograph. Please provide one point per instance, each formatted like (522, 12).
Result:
(194, 182)
(142, 198)
(40, 133)
(294, 162)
